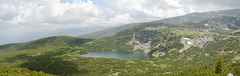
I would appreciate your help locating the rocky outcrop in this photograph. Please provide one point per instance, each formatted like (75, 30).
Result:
(194, 42)
(229, 74)
(157, 54)
(138, 46)
(157, 28)
(201, 41)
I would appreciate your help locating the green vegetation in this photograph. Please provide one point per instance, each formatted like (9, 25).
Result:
(57, 59)
(63, 62)
(222, 23)
(198, 17)
(201, 46)
(108, 32)
(219, 66)
(208, 71)
(21, 72)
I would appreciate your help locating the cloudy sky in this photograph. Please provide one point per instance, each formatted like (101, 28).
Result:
(21, 16)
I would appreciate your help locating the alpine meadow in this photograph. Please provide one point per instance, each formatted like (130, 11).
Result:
(120, 38)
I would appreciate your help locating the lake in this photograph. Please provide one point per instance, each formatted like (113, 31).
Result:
(119, 55)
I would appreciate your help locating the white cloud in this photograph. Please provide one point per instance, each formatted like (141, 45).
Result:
(148, 10)
(25, 16)
(8, 11)
(20, 16)
(173, 3)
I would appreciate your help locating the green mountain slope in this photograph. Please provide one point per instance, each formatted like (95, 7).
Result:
(21, 72)
(152, 34)
(185, 46)
(179, 49)
(198, 17)
(232, 69)
(192, 18)
(222, 22)
(55, 41)
(33, 35)
(108, 32)
(49, 41)
(47, 54)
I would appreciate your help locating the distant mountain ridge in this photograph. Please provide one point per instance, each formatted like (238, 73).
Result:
(198, 17)
(189, 48)
(192, 17)
(224, 22)
(49, 41)
(73, 31)
(180, 46)
(108, 31)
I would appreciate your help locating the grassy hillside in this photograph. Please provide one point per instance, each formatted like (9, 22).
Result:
(179, 49)
(222, 23)
(233, 69)
(49, 41)
(59, 55)
(108, 32)
(42, 54)
(21, 72)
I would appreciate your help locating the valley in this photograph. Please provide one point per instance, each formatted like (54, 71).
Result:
(157, 48)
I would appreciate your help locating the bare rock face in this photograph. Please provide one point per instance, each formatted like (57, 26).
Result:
(194, 42)
(187, 42)
(145, 47)
(201, 41)
(157, 28)
(158, 54)
(138, 46)
(229, 74)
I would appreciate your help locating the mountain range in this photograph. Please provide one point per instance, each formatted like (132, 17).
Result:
(33, 35)
(193, 44)
(192, 17)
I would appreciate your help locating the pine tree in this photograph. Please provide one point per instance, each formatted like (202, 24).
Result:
(219, 66)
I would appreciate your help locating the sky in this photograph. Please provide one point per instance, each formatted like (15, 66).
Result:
(23, 16)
